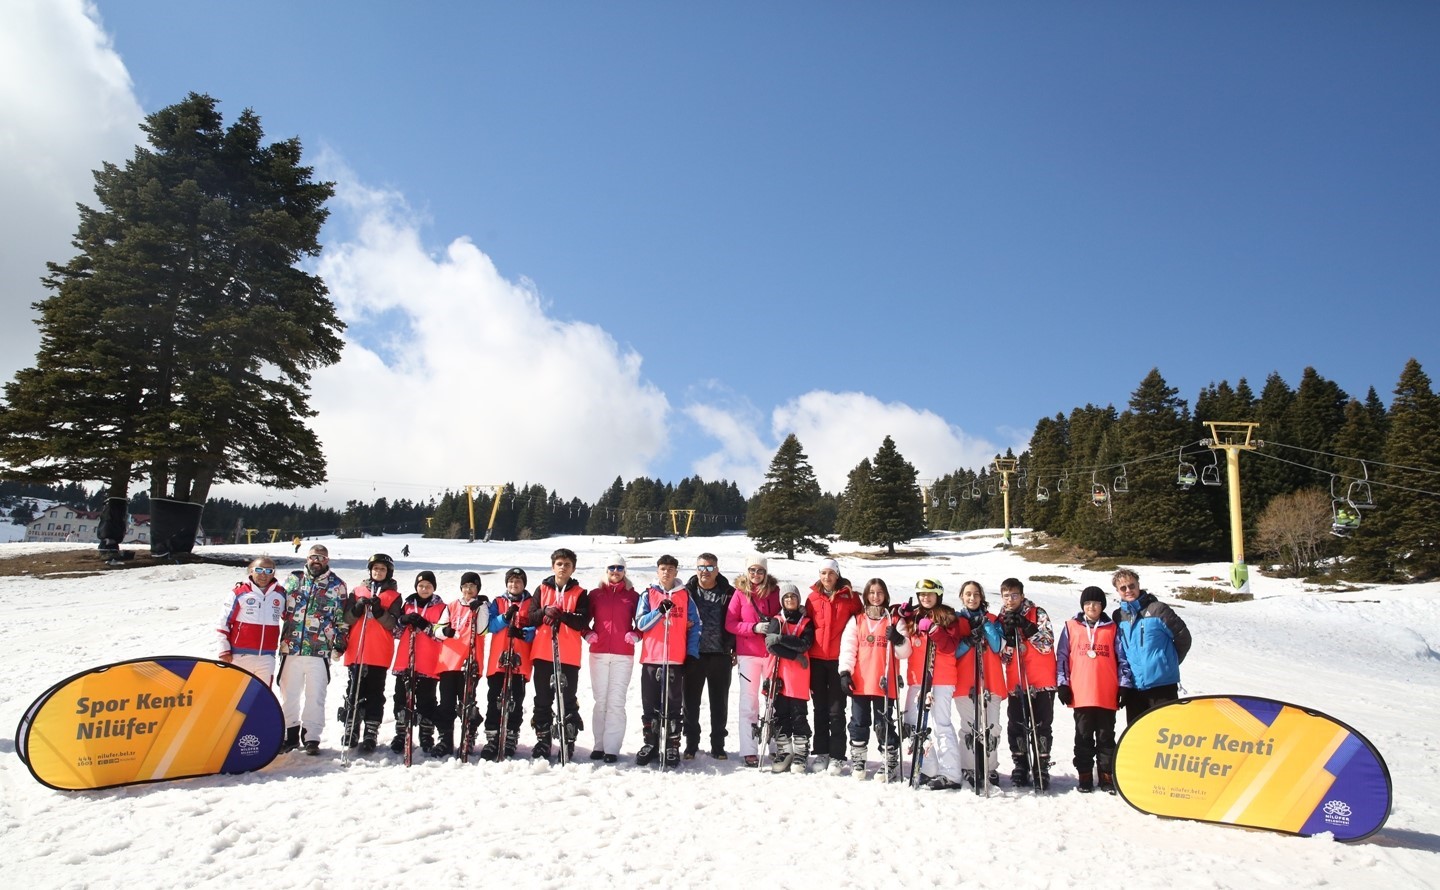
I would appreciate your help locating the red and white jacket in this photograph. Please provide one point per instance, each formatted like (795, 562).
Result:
(253, 619)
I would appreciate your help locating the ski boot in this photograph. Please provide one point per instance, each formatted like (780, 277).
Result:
(650, 749)
(1107, 783)
(942, 783)
(892, 764)
(572, 732)
(822, 762)
(672, 747)
(1020, 776)
(1044, 763)
(784, 756)
(800, 747)
(541, 751)
(511, 740)
(445, 745)
(1087, 782)
(427, 736)
(492, 745)
(857, 759)
(371, 738)
(311, 746)
(994, 778)
(292, 739)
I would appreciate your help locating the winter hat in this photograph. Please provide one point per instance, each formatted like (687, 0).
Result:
(470, 578)
(426, 575)
(1092, 595)
(788, 591)
(830, 564)
(516, 573)
(616, 559)
(757, 559)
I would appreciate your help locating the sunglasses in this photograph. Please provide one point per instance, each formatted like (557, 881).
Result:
(705, 569)
(757, 571)
(1124, 587)
(614, 568)
(317, 557)
(263, 571)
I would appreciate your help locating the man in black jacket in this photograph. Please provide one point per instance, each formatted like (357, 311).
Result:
(710, 592)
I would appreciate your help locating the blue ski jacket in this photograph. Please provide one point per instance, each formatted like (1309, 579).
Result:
(1156, 641)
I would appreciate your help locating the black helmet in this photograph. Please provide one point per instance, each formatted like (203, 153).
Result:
(385, 560)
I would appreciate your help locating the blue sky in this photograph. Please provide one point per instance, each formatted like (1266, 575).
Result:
(938, 220)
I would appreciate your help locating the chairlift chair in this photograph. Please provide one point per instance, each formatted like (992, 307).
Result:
(1359, 494)
(1122, 482)
(990, 488)
(1042, 494)
(975, 491)
(1345, 518)
(1062, 482)
(1211, 475)
(1099, 495)
(953, 503)
(1185, 476)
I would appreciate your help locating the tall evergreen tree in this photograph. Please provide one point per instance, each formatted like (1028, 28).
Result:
(149, 364)
(890, 508)
(1406, 515)
(785, 515)
(851, 503)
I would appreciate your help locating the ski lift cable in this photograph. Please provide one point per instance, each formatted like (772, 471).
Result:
(1375, 482)
(1363, 461)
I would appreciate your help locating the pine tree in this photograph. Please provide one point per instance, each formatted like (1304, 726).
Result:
(851, 503)
(149, 364)
(890, 511)
(1156, 517)
(1407, 517)
(784, 515)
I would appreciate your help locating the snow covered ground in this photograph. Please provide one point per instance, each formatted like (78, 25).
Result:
(1367, 658)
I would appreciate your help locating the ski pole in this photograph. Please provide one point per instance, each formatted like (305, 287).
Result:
(410, 700)
(1032, 737)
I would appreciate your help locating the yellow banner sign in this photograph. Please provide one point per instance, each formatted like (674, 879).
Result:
(147, 721)
(1253, 762)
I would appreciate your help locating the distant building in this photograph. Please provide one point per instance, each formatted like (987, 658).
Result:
(137, 530)
(62, 523)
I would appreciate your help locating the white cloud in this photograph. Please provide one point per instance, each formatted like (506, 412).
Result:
(66, 105)
(453, 375)
(837, 430)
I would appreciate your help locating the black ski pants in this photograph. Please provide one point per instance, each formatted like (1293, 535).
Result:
(866, 710)
(829, 699)
(654, 705)
(517, 702)
(1095, 739)
(371, 694)
(1138, 701)
(1042, 702)
(711, 669)
(545, 695)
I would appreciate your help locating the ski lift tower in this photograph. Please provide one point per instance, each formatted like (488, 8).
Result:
(494, 508)
(1005, 466)
(1234, 438)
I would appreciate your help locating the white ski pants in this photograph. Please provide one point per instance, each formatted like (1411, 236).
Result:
(943, 757)
(609, 683)
(304, 676)
(965, 705)
(262, 666)
(752, 674)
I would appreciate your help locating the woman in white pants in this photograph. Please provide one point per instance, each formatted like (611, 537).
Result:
(612, 640)
(755, 602)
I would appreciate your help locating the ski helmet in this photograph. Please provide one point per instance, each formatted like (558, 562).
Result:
(386, 561)
(931, 585)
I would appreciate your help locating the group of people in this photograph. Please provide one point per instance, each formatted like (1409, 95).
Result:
(795, 656)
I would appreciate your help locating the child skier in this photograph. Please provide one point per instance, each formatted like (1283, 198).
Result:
(508, 666)
(756, 600)
(870, 654)
(669, 626)
(421, 610)
(561, 607)
(462, 644)
(373, 611)
(930, 621)
(790, 637)
(1029, 657)
(1091, 668)
(979, 705)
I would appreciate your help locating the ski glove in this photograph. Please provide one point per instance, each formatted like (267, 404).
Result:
(376, 608)
(552, 614)
(419, 622)
(894, 635)
(511, 612)
(665, 606)
(846, 683)
(477, 602)
(447, 630)
(1066, 696)
(768, 626)
(926, 626)
(905, 611)
(357, 607)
